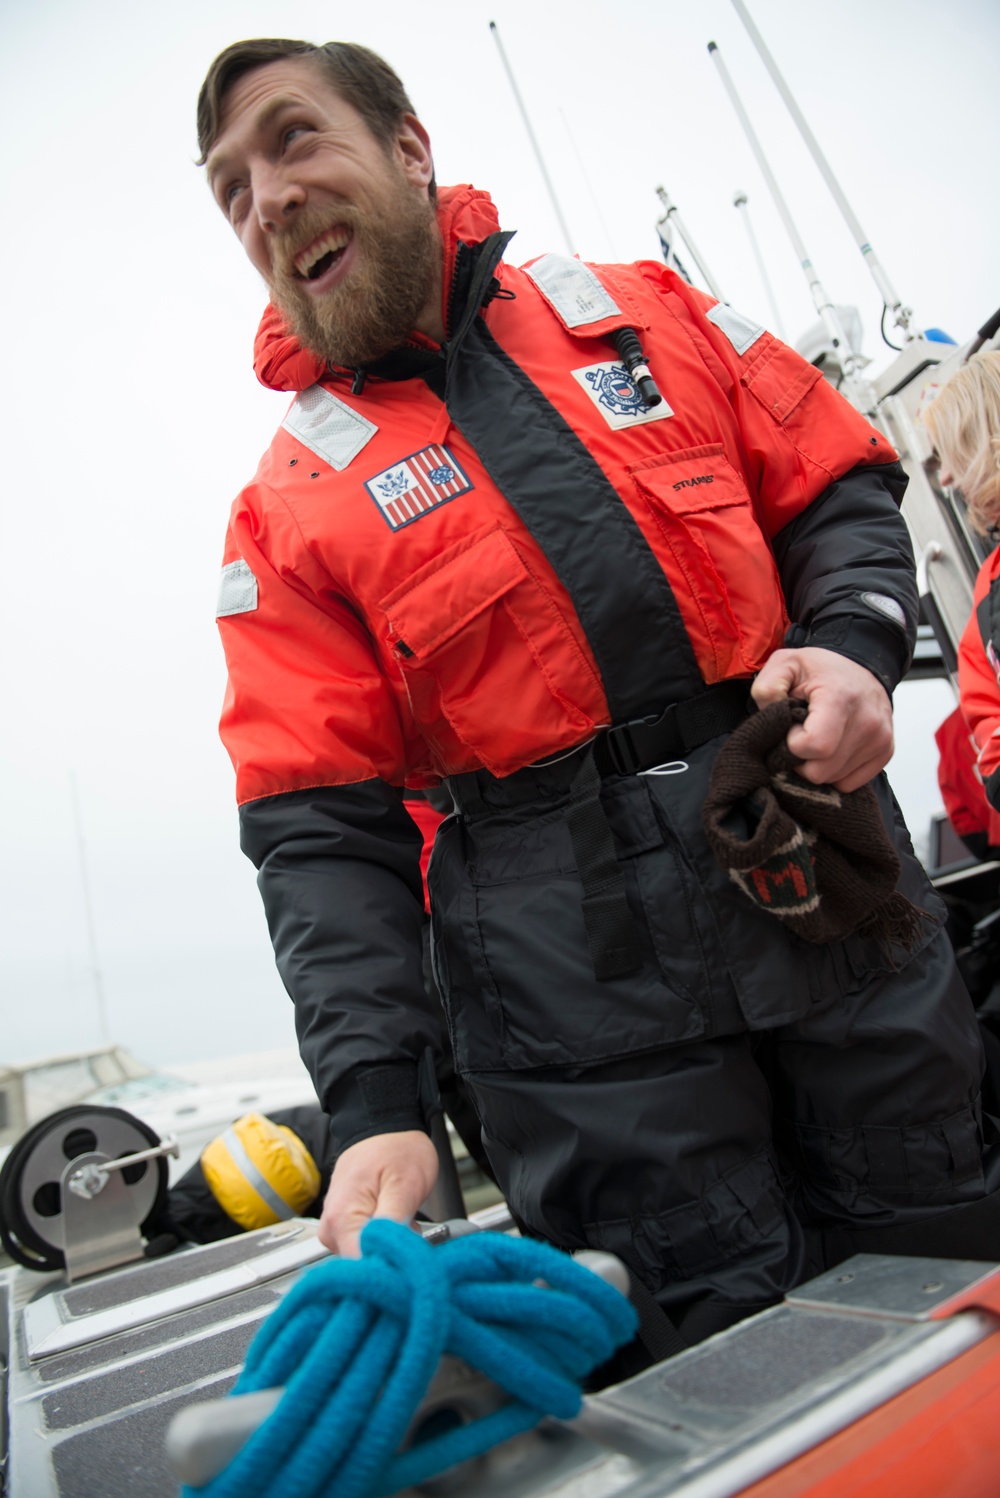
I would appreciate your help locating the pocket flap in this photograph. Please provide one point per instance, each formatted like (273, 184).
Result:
(779, 379)
(699, 478)
(437, 600)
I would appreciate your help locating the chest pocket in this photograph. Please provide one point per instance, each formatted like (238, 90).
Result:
(486, 657)
(732, 594)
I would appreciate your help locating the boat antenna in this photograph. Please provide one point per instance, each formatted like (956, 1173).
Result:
(590, 186)
(672, 220)
(665, 234)
(890, 298)
(567, 236)
(850, 358)
(740, 203)
(95, 966)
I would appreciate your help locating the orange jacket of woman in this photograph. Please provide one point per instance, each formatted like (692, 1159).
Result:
(979, 674)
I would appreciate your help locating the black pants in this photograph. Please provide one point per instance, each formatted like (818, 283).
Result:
(710, 1116)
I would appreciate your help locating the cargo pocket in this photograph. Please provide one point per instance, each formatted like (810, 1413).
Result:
(739, 1214)
(704, 510)
(521, 986)
(455, 625)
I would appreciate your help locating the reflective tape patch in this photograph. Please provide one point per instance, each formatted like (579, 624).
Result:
(741, 331)
(885, 606)
(573, 290)
(616, 396)
(328, 427)
(237, 590)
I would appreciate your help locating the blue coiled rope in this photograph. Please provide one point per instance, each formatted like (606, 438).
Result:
(357, 1341)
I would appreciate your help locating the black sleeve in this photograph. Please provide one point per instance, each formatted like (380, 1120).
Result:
(846, 566)
(339, 872)
(991, 785)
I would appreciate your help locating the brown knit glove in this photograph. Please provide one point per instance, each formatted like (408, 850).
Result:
(818, 858)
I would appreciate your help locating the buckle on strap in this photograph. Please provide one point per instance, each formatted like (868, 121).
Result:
(627, 748)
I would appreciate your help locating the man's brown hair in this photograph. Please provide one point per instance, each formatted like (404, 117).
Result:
(359, 76)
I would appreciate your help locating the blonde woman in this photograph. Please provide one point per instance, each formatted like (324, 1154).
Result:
(964, 426)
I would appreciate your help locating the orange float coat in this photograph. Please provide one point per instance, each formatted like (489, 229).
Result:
(411, 639)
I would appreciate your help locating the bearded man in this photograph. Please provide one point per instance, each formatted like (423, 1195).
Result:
(480, 552)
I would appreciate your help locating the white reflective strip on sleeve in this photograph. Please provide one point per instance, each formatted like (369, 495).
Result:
(573, 290)
(741, 331)
(248, 1169)
(237, 590)
(327, 427)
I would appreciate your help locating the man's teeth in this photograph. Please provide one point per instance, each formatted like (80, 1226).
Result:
(307, 262)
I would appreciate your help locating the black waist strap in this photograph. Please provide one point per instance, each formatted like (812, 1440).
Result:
(624, 750)
(631, 747)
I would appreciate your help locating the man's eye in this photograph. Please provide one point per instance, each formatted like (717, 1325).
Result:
(290, 134)
(231, 193)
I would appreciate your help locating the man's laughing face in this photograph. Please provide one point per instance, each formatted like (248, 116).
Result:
(339, 225)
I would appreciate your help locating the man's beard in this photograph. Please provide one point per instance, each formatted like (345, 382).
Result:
(377, 305)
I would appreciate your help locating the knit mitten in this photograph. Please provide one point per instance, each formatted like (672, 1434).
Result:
(819, 859)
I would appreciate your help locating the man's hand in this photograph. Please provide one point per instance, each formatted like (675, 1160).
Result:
(388, 1175)
(847, 737)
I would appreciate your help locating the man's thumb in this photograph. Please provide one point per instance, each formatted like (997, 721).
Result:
(395, 1202)
(775, 679)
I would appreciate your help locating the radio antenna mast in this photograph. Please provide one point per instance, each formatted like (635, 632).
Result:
(534, 143)
(850, 358)
(672, 220)
(890, 297)
(102, 1003)
(740, 202)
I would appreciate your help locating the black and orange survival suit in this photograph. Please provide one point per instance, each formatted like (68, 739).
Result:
(463, 564)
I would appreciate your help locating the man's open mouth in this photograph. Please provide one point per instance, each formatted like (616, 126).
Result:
(318, 257)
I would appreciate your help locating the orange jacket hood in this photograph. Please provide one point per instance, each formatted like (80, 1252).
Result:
(465, 215)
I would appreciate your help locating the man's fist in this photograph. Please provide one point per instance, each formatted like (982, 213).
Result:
(388, 1175)
(847, 737)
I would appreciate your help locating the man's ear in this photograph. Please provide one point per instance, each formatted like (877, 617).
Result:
(413, 145)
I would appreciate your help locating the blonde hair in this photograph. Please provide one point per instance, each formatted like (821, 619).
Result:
(964, 425)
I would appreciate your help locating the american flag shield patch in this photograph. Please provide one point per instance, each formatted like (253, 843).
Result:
(417, 484)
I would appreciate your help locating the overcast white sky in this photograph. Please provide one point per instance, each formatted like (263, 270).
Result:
(131, 416)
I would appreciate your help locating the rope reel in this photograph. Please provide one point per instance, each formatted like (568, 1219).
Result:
(32, 1209)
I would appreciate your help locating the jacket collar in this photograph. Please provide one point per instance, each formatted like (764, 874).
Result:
(467, 219)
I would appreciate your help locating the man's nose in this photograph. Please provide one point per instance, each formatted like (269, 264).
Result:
(276, 199)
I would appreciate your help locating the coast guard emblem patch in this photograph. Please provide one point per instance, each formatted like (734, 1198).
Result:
(417, 484)
(616, 396)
